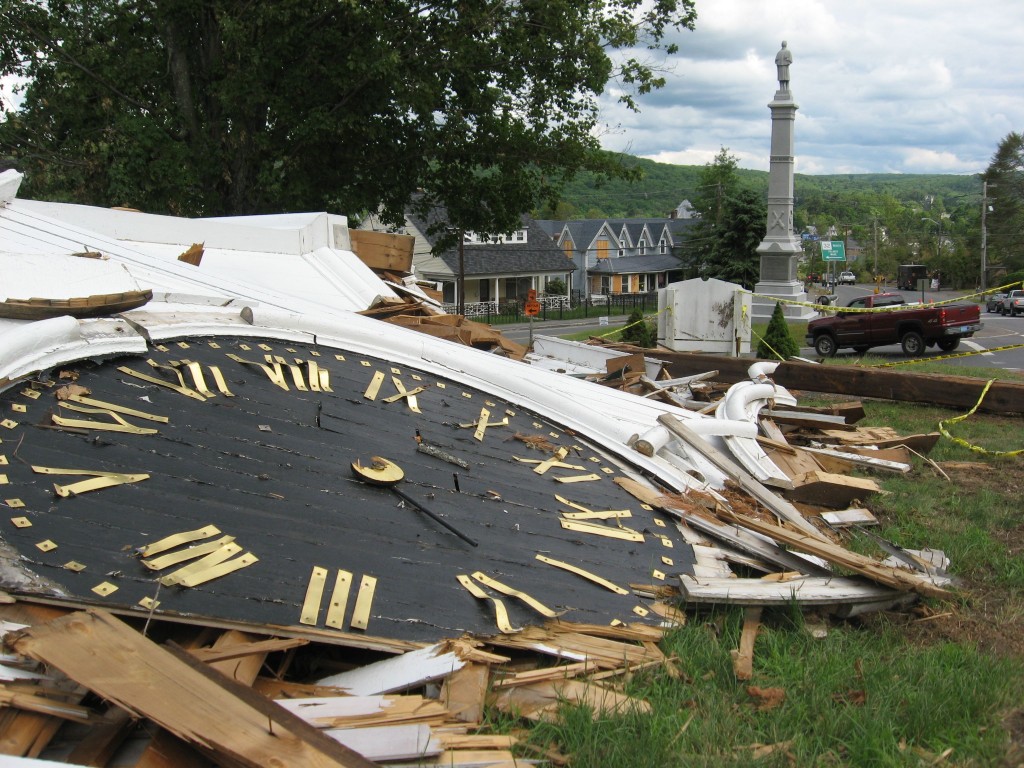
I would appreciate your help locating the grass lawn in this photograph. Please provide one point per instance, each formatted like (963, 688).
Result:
(938, 684)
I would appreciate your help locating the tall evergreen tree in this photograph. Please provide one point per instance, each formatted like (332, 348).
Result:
(1005, 222)
(728, 251)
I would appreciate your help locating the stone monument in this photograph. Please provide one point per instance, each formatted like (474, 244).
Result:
(781, 248)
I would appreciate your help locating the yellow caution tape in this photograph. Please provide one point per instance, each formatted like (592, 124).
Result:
(970, 446)
(938, 358)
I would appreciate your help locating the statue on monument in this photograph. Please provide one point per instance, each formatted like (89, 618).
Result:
(782, 60)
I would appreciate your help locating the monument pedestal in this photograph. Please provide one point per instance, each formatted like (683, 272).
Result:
(788, 291)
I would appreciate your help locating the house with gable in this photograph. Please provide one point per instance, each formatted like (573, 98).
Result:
(620, 256)
(495, 268)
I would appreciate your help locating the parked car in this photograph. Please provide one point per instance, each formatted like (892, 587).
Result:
(847, 278)
(912, 326)
(994, 301)
(1013, 303)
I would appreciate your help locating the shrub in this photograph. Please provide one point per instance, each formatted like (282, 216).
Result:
(778, 342)
(639, 331)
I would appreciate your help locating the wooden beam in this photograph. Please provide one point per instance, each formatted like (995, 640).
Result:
(958, 392)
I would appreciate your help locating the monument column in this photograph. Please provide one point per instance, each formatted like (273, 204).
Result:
(781, 248)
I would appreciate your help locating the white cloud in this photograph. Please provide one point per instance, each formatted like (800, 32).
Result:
(883, 86)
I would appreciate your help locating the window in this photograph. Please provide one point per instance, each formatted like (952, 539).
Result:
(602, 249)
(641, 248)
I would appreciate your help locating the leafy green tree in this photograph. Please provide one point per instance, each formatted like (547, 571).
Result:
(223, 107)
(718, 181)
(1005, 223)
(778, 341)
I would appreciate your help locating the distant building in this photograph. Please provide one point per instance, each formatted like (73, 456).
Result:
(616, 256)
(496, 268)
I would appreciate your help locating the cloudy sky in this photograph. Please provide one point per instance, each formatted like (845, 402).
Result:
(883, 86)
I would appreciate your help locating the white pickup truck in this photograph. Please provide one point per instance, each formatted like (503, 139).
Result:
(1013, 303)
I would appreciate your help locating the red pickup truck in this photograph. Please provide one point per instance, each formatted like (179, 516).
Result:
(913, 326)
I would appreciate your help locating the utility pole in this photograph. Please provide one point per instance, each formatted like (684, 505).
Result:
(984, 236)
(462, 274)
(874, 224)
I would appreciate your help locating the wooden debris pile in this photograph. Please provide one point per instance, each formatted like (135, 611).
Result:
(87, 688)
(460, 330)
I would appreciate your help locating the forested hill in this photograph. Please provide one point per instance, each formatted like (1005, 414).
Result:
(842, 196)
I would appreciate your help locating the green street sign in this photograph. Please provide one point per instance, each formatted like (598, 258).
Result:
(833, 250)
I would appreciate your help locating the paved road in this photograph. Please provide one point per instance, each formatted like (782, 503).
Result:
(999, 331)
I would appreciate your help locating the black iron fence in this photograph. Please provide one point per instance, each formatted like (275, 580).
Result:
(577, 305)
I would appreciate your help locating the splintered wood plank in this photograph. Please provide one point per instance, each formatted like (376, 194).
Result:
(606, 653)
(803, 590)
(241, 655)
(409, 670)
(830, 490)
(197, 704)
(839, 555)
(737, 538)
(541, 701)
(383, 250)
(465, 691)
(342, 711)
(743, 659)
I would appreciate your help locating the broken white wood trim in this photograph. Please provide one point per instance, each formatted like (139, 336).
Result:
(931, 561)
(844, 518)
(762, 369)
(389, 742)
(745, 399)
(742, 402)
(399, 673)
(805, 590)
(10, 181)
(32, 275)
(323, 280)
(29, 347)
(586, 356)
(760, 547)
(747, 482)
(868, 462)
(685, 380)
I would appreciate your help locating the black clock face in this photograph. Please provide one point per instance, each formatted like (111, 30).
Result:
(227, 491)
